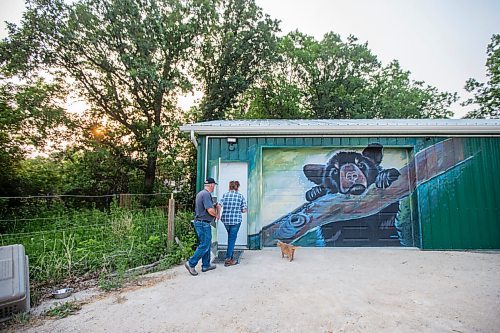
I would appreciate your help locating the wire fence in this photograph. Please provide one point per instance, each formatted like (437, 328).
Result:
(62, 241)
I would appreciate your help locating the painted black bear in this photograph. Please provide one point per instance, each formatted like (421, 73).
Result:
(349, 172)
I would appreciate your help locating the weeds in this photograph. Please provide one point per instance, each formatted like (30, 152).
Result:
(21, 318)
(76, 243)
(62, 310)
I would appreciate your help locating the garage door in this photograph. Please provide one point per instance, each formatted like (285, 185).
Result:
(337, 196)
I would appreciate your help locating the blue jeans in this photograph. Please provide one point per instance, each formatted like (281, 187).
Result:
(232, 233)
(204, 232)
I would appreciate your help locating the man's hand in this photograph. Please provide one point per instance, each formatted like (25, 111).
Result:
(212, 212)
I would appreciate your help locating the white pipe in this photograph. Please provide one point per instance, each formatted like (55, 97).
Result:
(193, 140)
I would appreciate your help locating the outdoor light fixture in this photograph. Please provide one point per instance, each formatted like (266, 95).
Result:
(232, 142)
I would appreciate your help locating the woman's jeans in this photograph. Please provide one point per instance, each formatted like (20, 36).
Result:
(204, 232)
(232, 233)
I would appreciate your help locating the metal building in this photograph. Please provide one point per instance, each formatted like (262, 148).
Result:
(427, 183)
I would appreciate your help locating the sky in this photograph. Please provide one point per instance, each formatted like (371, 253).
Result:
(441, 42)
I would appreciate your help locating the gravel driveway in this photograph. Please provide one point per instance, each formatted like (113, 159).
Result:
(322, 290)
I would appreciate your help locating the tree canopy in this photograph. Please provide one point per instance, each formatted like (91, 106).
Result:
(28, 113)
(127, 59)
(341, 80)
(130, 61)
(237, 50)
(487, 95)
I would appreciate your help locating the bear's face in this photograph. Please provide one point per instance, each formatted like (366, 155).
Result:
(346, 172)
(349, 173)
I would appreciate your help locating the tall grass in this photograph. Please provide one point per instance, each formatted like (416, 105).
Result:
(69, 244)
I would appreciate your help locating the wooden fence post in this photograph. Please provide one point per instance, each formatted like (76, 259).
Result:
(170, 221)
(125, 200)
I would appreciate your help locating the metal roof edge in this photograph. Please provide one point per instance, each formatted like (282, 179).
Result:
(344, 129)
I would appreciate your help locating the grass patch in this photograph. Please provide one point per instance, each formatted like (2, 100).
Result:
(71, 244)
(21, 319)
(62, 310)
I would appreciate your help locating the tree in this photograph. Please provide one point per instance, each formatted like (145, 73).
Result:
(333, 79)
(487, 95)
(30, 114)
(127, 59)
(392, 94)
(239, 48)
(331, 73)
(274, 98)
(279, 94)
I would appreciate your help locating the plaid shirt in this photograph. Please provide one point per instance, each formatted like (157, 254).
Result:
(233, 203)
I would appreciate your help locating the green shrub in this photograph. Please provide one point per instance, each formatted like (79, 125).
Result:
(68, 244)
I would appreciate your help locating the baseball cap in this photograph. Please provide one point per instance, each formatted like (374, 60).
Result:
(210, 181)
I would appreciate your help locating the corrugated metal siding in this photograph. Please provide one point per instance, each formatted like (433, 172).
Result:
(456, 210)
(460, 210)
(220, 148)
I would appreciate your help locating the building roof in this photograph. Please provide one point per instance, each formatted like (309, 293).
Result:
(401, 127)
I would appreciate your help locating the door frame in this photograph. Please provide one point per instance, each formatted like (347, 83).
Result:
(242, 240)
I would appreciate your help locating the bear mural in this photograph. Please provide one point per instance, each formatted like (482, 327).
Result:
(345, 177)
(344, 197)
(351, 173)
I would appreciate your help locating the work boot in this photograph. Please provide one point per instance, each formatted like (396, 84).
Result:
(230, 262)
(190, 269)
(209, 268)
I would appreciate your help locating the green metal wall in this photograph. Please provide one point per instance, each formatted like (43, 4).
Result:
(461, 208)
(458, 209)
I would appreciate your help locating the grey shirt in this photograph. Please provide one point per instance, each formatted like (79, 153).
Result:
(202, 203)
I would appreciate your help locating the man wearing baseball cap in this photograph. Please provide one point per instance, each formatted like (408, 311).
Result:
(205, 212)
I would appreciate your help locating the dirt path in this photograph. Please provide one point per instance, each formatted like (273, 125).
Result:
(322, 290)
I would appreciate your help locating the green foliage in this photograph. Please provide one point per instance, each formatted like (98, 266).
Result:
(127, 60)
(97, 172)
(29, 116)
(75, 243)
(113, 281)
(41, 176)
(334, 79)
(333, 73)
(186, 236)
(392, 94)
(185, 231)
(63, 310)
(236, 51)
(275, 98)
(487, 95)
(22, 318)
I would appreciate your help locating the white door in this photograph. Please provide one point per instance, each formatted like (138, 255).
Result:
(232, 171)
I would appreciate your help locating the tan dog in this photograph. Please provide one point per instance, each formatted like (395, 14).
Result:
(287, 249)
